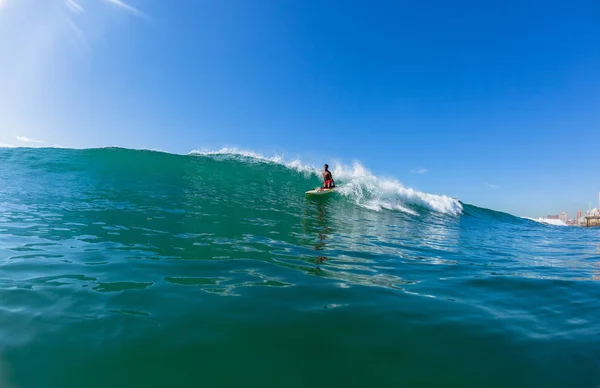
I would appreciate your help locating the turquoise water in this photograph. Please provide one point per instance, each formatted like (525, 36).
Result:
(124, 268)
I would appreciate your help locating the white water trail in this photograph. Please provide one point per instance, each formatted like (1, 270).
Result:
(547, 221)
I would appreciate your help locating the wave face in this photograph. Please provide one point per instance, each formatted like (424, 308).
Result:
(158, 268)
(356, 183)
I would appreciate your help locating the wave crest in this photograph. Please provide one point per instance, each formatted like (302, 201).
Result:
(235, 153)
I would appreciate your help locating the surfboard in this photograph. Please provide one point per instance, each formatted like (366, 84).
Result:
(320, 191)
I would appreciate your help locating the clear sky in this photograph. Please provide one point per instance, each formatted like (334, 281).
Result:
(497, 103)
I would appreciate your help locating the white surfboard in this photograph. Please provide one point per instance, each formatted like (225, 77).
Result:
(320, 191)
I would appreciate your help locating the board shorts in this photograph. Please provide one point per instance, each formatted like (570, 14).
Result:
(328, 183)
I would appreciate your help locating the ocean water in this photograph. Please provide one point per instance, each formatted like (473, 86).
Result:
(122, 268)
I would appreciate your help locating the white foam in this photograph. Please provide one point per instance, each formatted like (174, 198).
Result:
(2, 145)
(358, 184)
(154, 149)
(547, 221)
(373, 192)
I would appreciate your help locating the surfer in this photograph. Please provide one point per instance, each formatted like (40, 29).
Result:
(328, 182)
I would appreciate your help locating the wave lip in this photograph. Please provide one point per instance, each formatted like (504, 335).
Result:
(235, 153)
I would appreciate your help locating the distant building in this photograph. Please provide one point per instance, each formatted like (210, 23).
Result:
(564, 217)
(579, 217)
(553, 217)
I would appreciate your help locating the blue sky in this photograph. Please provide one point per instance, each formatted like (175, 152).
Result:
(496, 103)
